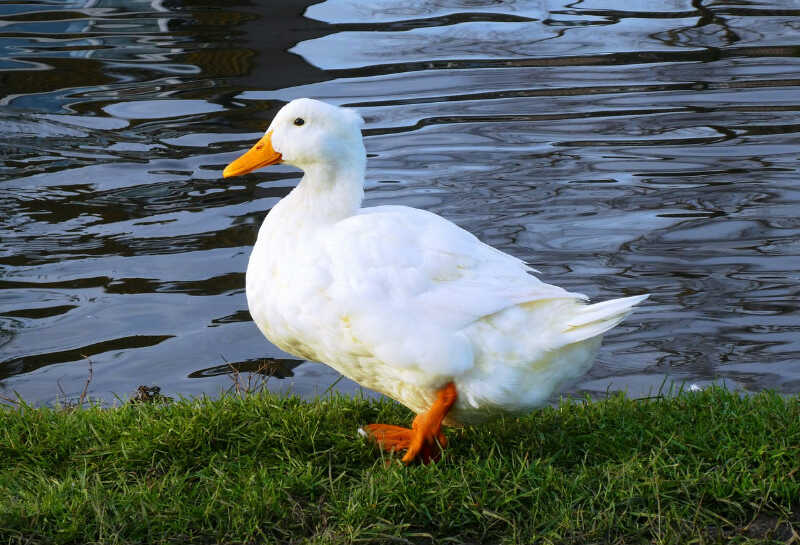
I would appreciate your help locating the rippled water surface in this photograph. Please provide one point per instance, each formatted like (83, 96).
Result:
(620, 147)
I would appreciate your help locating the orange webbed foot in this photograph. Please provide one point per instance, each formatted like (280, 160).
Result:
(388, 437)
(425, 440)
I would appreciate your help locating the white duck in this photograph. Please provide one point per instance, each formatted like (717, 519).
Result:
(401, 300)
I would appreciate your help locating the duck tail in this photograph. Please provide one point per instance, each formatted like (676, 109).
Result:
(591, 320)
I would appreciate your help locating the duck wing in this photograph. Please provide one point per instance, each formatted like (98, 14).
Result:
(409, 281)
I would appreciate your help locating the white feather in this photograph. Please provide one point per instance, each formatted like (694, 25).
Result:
(402, 300)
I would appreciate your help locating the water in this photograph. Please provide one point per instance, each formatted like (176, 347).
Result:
(620, 147)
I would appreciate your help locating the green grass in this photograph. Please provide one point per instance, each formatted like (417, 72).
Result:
(705, 467)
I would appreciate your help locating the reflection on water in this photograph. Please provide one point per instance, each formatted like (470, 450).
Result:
(643, 147)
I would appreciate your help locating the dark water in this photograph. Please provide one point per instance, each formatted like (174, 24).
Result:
(620, 147)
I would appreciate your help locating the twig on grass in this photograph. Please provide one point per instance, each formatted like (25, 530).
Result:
(82, 398)
(15, 402)
(256, 380)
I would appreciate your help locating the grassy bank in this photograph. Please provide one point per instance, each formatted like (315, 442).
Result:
(704, 467)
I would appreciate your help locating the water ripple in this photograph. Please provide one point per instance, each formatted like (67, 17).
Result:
(621, 148)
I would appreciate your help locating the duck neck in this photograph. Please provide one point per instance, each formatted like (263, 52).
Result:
(329, 191)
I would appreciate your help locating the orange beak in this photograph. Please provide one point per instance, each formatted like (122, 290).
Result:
(258, 156)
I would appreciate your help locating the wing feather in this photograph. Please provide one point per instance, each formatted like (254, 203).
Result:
(424, 279)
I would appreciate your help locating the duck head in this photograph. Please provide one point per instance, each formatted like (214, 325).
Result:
(306, 133)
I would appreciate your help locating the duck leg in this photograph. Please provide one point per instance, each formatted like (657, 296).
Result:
(421, 440)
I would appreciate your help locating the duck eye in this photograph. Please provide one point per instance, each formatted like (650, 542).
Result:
(299, 121)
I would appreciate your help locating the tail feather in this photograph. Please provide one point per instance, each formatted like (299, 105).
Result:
(592, 320)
